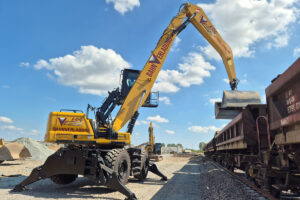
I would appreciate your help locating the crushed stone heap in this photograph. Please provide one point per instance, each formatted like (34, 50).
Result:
(38, 150)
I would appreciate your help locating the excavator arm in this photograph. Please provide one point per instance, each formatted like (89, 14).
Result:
(205, 27)
(144, 83)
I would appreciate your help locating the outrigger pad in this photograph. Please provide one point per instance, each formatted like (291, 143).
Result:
(233, 102)
(153, 168)
(113, 182)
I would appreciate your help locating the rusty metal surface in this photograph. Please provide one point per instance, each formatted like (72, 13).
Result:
(283, 98)
(210, 146)
(237, 98)
(240, 133)
(226, 113)
(233, 102)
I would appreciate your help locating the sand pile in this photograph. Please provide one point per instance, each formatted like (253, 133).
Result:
(38, 150)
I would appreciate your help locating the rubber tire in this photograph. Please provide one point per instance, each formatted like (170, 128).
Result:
(114, 159)
(144, 167)
(63, 179)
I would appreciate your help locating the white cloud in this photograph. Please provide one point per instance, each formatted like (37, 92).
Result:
(5, 86)
(213, 100)
(24, 64)
(203, 129)
(33, 132)
(264, 99)
(164, 86)
(297, 52)
(165, 99)
(243, 81)
(169, 132)
(6, 120)
(157, 119)
(175, 44)
(138, 122)
(244, 23)
(147, 123)
(13, 128)
(92, 70)
(226, 80)
(154, 125)
(190, 72)
(123, 6)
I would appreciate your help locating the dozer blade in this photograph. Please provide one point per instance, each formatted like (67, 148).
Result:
(233, 102)
(13, 151)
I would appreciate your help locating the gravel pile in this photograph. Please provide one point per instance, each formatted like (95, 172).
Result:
(38, 150)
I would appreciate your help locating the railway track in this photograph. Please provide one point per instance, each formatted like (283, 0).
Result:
(251, 189)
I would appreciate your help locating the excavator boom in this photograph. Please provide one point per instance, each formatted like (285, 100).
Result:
(141, 88)
(202, 23)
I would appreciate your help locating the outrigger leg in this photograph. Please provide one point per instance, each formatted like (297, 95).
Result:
(113, 182)
(153, 168)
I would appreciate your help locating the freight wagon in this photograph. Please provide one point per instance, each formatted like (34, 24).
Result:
(264, 139)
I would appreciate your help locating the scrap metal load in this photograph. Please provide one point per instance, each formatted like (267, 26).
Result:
(264, 140)
(13, 151)
(233, 102)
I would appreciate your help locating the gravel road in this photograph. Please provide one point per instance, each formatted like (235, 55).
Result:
(189, 178)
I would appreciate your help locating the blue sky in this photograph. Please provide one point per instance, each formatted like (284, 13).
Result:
(65, 54)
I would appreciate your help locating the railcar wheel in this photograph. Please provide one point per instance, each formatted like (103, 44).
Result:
(230, 168)
(119, 161)
(63, 179)
(268, 187)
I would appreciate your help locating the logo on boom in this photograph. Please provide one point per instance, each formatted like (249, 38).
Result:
(154, 58)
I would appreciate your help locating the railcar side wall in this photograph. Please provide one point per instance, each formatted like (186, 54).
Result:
(283, 99)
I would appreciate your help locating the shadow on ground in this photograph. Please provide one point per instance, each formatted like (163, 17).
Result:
(183, 185)
(9, 164)
(80, 189)
(148, 181)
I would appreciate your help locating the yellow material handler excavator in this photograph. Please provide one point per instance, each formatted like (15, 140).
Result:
(97, 149)
(153, 149)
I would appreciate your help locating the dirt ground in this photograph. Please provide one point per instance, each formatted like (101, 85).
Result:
(183, 183)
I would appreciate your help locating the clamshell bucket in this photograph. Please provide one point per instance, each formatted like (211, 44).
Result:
(233, 102)
(13, 151)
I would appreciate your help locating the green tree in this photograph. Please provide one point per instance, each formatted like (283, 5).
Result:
(201, 145)
(180, 145)
(163, 144)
